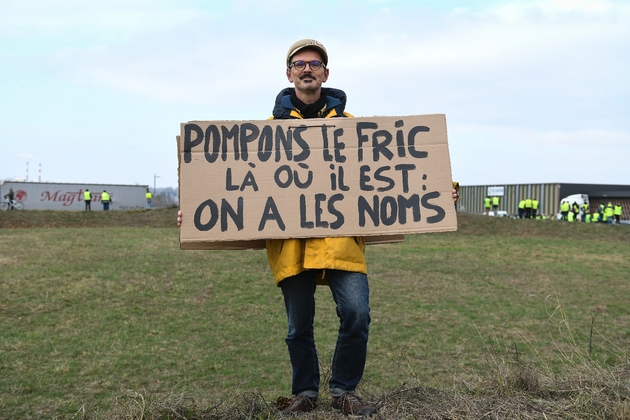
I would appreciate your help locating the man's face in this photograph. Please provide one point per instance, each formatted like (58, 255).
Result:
(307, 79)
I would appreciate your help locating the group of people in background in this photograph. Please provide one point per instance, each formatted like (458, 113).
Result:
(605, 213)
(105, 200)
(528, 208)
(491, 202)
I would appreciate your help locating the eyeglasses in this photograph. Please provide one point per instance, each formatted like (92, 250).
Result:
(301, 65)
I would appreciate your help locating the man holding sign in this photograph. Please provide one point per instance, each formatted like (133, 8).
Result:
(300, 264)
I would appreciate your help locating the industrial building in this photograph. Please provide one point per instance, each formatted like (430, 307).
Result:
(549, 196)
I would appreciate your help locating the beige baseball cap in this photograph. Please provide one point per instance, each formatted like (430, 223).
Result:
(307, 43)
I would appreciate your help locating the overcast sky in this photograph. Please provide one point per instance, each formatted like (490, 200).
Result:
(534, 91)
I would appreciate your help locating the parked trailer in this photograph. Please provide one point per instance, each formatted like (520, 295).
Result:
(59, 196)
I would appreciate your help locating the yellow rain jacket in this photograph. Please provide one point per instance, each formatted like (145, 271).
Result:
(288, 257)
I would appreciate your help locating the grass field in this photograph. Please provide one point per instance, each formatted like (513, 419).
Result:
(101, 313)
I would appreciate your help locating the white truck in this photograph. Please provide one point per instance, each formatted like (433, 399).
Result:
(59, 196)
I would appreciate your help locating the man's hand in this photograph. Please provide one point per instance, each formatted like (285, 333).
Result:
(455, 191)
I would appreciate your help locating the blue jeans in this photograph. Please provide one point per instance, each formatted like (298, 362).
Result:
(351, 294)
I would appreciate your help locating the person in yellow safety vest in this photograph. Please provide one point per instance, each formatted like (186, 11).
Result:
(617, 212)
(585, 211)
(534, 208)
(528, 208)
(564, 209)
(595, 217)
(495, 205)
(587, 218)
(149, 198)
(87, 197)
(105, 199)
(610, 213)
(486, 203)
(602, 210)
(521, 209)
(570, 216)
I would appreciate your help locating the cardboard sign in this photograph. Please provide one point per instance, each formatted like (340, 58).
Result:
(241, 182)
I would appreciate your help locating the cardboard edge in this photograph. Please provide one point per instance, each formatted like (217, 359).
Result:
(261, 243)
(179, 178)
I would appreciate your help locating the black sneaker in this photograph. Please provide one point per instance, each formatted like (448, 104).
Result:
(299, 404)
(350, 404)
